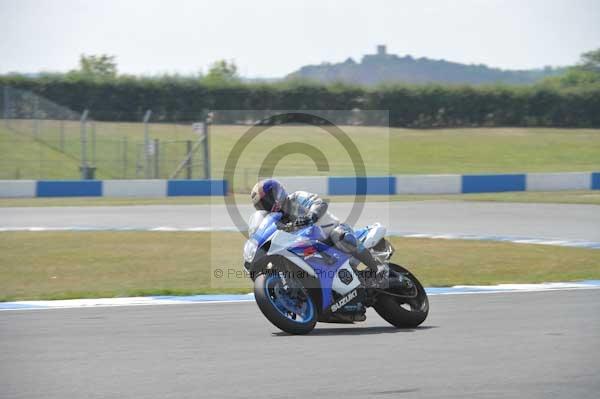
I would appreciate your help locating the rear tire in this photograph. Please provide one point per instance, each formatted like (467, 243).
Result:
(266, 304)
(390, 307)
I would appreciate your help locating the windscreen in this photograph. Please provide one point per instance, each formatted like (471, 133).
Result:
(255, 220)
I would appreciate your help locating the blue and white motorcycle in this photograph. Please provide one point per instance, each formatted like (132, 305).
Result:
(300, 278)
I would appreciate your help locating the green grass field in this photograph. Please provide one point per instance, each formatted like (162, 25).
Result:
(384, 151)
(58, 265)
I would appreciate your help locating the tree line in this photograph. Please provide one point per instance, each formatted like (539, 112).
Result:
(571, 100)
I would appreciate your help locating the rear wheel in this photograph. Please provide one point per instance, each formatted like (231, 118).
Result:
(285, 303)
(406, 308)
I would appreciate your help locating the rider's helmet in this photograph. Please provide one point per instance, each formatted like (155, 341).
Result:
(268, 195)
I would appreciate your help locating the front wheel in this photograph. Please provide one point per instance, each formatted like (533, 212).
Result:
(403, 309)
(285, 303)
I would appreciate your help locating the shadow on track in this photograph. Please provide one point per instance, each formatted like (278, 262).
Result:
(357, 331)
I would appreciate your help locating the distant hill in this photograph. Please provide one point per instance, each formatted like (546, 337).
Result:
(387, 68)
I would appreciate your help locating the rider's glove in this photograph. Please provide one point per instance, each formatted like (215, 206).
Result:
(285, 226)
(306, 220)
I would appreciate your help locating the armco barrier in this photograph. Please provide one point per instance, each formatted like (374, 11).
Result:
(428, 184)
(135, 188)
(492, 183)
(384, 185)
(177, 188)
(596, 181)
(17, 188)
(381, 185)
(69, 188)
(558, 181)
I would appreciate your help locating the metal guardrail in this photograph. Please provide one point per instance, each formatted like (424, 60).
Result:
(45, 134)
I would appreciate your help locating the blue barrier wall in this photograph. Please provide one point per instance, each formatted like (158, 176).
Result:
(385, 185)
(595, 181)
(177, 188)
(492, 183)
(69, 188)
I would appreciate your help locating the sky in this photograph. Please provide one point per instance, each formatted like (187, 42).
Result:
(271, 38)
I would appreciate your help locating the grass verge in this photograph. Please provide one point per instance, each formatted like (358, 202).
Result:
(384, 151)
(61, 265)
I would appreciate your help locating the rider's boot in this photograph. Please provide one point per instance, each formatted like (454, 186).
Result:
(378, 274)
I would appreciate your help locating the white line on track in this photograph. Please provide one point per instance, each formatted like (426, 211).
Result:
(180, 300)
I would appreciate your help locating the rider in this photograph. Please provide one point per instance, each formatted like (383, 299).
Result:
(302, 208)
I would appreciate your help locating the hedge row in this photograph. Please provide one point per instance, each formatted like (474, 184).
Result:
(177, 100)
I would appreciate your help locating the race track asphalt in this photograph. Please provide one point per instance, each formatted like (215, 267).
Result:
(516, 345)
(544, 221)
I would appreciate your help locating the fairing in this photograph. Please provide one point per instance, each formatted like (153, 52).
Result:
(306, 248)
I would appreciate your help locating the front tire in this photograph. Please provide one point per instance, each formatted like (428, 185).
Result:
(403, 312)
(272, 302)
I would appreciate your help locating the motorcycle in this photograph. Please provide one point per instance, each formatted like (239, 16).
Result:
(300, 278)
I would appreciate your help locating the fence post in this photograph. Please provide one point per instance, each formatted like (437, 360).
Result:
(93, 123)
(147, 143)
(156, 158)
(83, 139)
(188, 151)
(138, 161)
(207, 120)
